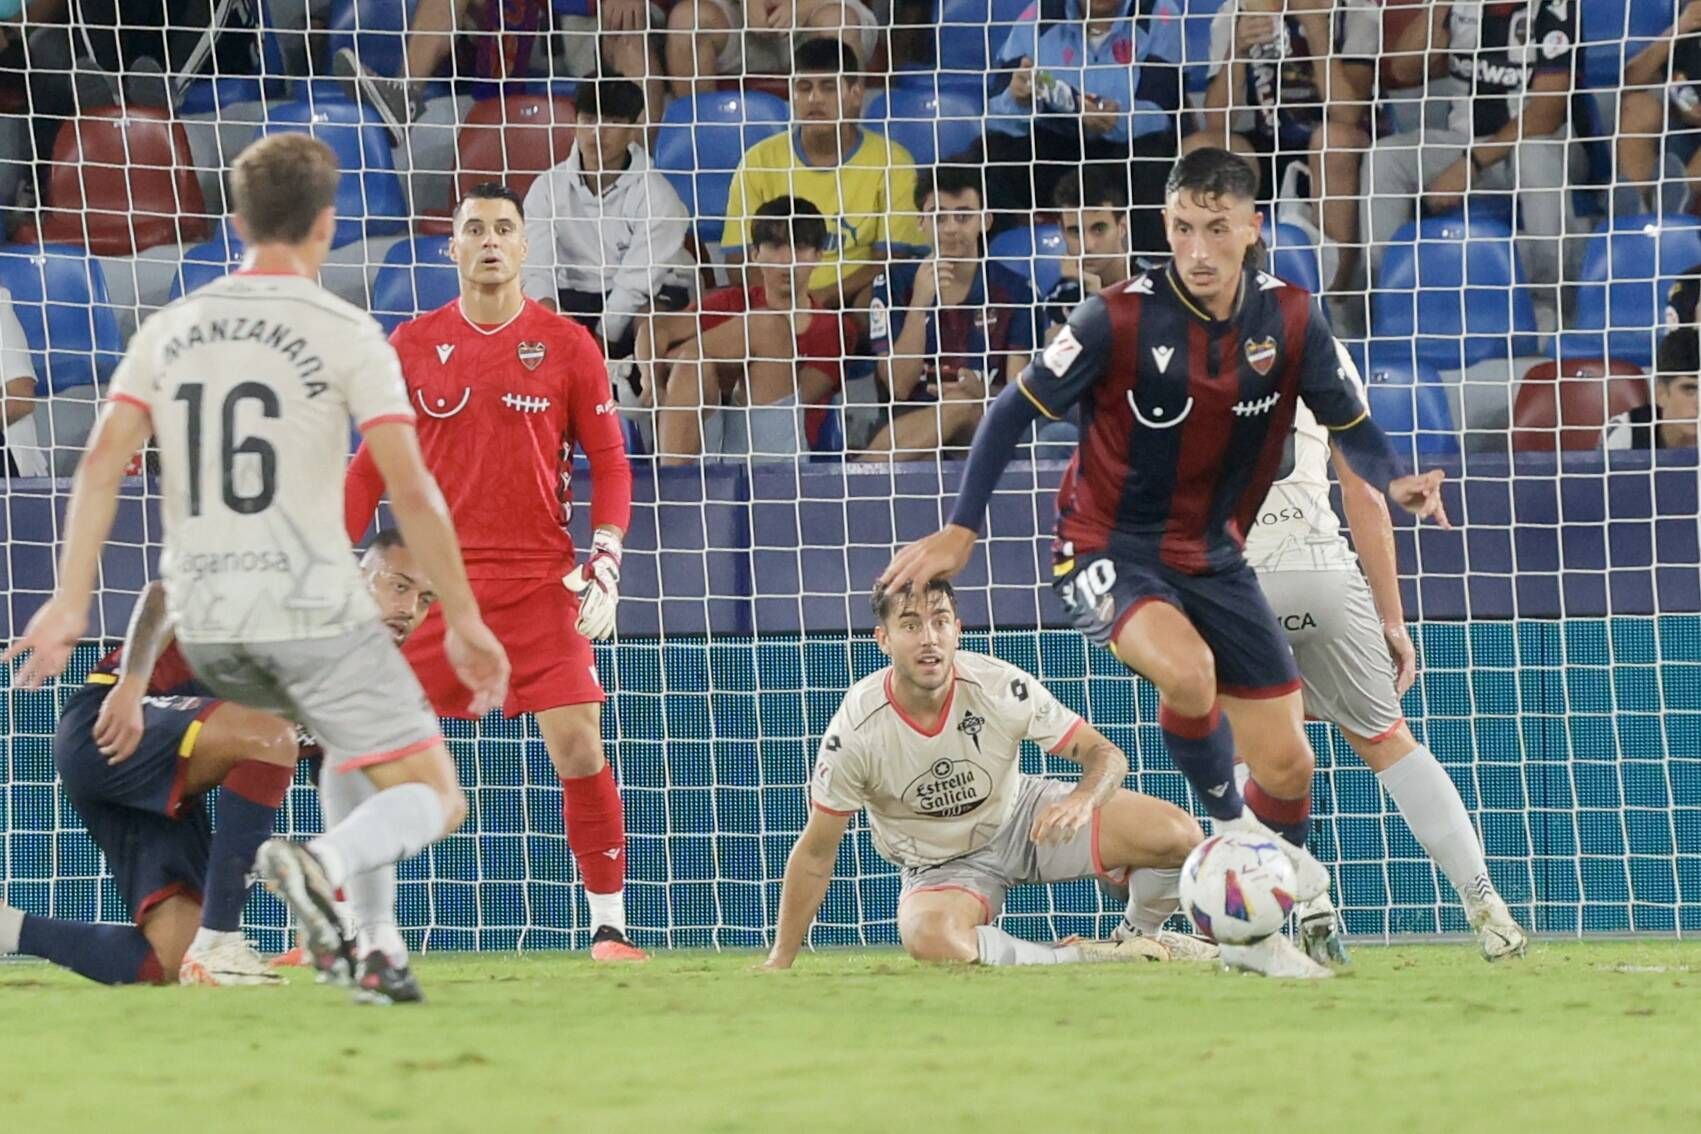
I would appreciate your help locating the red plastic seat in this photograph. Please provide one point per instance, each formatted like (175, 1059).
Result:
(122, 181)
(1565, 404)
(512, 140)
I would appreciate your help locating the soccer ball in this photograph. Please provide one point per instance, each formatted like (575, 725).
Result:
(1237, 887)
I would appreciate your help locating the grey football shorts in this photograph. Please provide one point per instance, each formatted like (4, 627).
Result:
(353, 692)
(1345, 671)
(1012, 858)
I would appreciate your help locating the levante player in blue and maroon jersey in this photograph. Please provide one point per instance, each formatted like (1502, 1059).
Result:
(1187, 378)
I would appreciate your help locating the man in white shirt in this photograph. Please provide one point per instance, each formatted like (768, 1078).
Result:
(17, 379)
(606, 231)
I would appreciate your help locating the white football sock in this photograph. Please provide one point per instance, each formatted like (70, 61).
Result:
(999, 948)
(206, 939)
(1425, 795)
(607, 909)
(1152, 896)
(393, 824)
(11, 925)
(372, 893)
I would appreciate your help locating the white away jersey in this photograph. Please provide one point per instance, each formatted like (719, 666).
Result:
(251, 382)
(936, 796)
(1297, 529)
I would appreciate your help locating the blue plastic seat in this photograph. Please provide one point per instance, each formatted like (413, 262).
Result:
(219, 91)
(1611, 32)
(417, 276)
(701, 141)
(207, 261)
(1456, 286)
(370, 198)
(1627, 270)
(1293, 257)
(1196, 42)
(59, 294)
(375, 29)
(1036, 254)
(1410, 404)
(932, 127)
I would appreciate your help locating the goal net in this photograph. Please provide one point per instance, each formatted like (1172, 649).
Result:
(1507, 313)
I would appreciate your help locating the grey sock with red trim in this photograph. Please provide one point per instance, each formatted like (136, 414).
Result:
(1153, 895)
(995, 947)
(1430, 803)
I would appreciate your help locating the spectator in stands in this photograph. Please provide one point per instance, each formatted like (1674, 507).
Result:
(1087, 80)
(605, 232)
(766, 347)
(948, 327)
(1506, 137)
(1093, 212)
(502, 36)
(1661, 100)
(17, 394)
(1293, 88)
(863, 184)
(1669, 422)
(710, 40)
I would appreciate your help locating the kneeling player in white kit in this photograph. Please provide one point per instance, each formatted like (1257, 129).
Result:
(929, 747)
(1355, 660)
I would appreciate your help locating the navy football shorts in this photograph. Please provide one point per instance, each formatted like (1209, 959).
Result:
(156, 842)
(1102, 592)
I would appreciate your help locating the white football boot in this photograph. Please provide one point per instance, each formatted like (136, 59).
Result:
(1498, 935)
(1320, 933)
(228, 959)
(1310, 876)
(1137, 947)
(1275, 956)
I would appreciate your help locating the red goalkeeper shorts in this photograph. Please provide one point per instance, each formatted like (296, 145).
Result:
(537, 623)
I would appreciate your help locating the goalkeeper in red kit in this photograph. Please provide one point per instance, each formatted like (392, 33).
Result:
(505, 390)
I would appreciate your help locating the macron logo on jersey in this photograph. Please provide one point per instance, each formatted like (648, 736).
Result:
(1161, 355)
(444, 350)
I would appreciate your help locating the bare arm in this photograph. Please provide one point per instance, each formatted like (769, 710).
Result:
(1647, 67)
(1419, 50)
(1373, 539)
(119, 724)
(809, 870)
(1103, 767)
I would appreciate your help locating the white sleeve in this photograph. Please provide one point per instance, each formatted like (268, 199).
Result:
(537, 274)
(1616, 435)
(14, 347)
(1222, 38)
(1361, 31)
(837, 785)
(1031, 710)
(657, 240)
(372, 380)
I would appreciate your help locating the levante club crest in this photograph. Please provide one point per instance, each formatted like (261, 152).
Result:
(1261, 355)
(531, 355)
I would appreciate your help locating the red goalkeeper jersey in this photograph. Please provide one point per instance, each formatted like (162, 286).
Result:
(500, 410)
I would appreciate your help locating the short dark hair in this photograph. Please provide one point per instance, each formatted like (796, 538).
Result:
(943, 179)
(789, 222)
(492, 191)
(1679, 354)
(281, 184)
(827, 55)
(610, 100)
(1090, 188)
(887, 601)
(1211, 172)
(387, 539)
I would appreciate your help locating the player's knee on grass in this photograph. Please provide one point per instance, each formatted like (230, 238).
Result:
(938, 936)
(169, 928)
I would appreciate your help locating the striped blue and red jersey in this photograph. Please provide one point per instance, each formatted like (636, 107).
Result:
(1184, 418)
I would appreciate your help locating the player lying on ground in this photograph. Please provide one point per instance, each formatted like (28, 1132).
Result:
(506, 389)
(1355, 660)
(929, 746)
(248, 386)
(1187, 380)
(139, 749)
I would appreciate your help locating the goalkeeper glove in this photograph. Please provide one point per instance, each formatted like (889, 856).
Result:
(597, 583)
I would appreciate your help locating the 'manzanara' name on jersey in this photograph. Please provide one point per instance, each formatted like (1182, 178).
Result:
(934, 795)
(250, 383)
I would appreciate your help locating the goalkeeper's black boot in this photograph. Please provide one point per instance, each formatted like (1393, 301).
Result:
(380, 982)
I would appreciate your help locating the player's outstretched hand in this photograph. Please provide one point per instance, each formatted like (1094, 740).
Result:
(945, 552)
(118, 726)
(1061, 821)
(480, 662)
(1403, 654)
(50, 637)
(1420, 494)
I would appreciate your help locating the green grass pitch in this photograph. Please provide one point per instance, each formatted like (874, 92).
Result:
(1580, 1036)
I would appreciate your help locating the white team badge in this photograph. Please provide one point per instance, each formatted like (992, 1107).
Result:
(439, 407)
(1063, 350)
(444, 350)
(531, 355)
(1161, 355)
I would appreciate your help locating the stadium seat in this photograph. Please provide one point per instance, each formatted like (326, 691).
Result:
(1036, 254)
(1564, 404)
(932, 127)
(121, 181)
(1293, 256)
(214, 93)
(207, 261)
(1455, 285)
(370, 202)
(701, 141)
(373, 28)
(1626, 273)
(59, 293)
(514, 140)
(417, 276)
(971, 32)
(1410, 404)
